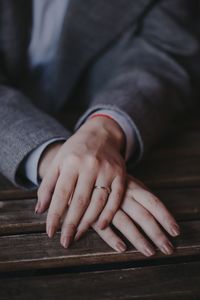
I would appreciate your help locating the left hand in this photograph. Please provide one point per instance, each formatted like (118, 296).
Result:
(140, 208)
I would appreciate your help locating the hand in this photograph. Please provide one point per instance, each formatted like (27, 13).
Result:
(142, 209)
(92, 156)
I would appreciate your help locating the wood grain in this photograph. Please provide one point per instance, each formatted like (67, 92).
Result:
(174, 282)
(35, 251)
(17, 216)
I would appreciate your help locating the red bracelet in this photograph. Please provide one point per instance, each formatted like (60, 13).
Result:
(100, 115)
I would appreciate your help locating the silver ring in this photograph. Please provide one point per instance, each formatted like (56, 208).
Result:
(106, 189)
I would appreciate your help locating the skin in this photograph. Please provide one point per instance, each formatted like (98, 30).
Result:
(93, 156)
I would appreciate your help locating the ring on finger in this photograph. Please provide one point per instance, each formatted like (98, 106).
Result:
(105, 188)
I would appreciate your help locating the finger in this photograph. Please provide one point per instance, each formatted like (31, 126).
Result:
(46, 189)
(61, 196)
(158, 210)
(148, 224)
(113, 203)
(126, 226)
(79, 204)
(110, 238)
(98, 201)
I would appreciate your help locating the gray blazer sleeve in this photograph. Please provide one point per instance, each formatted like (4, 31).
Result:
(153, 76)
(23, 127)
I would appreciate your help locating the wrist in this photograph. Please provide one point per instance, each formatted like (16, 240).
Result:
(105, 126)
(47, 156)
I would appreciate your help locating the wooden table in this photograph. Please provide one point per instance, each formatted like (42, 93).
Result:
(35, 267)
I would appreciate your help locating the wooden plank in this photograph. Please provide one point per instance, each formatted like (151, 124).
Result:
(184, 203)
(35, 251)
(9, 191)
(175, 161)
(178, 281)
(17, 216)
(15, 193)
(179, 173)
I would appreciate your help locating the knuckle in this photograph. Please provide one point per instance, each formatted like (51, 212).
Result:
(61, 193)
(69, 228)
(92, 161)
(71, 160)
(56, 216)
(81, 201)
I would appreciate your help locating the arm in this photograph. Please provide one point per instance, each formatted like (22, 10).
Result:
(23, 127)
(154, 71)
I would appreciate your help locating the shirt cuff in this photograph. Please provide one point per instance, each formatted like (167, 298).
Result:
(125, 124)
(30, 164)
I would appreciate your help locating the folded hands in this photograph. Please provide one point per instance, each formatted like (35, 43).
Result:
(93, 157)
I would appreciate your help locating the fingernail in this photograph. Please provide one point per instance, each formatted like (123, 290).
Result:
(102, 224)
(175, 230)
(78, 235)
(51, 231)
(66, 241)
(121, 247)
(37, 207)
(167, 248)
(149, 251)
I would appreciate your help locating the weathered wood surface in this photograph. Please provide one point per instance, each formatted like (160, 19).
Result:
(177, 281)
(35, 251)
(17, 216)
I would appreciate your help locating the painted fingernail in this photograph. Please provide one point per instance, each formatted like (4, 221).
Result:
(102, 224)
(78, 235)
(167, 248)
(66, 241)
(37, 207)
(121, 247)
(175, 230)
(51, 231)
(149, 251)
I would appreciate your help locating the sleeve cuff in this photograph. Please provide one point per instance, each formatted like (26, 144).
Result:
(30, 164)
(124, 123)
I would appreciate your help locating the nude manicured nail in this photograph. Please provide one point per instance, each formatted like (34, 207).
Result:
(37, 207)
(175, 230)
(121, 247)
(167, 248)
(102, 224)
(149, 251)
(78, 235)
(66, 241)
(51, 231)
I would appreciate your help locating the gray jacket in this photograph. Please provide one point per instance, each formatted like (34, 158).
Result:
(139, 56)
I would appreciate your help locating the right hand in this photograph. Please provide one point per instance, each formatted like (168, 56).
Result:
(90, 158)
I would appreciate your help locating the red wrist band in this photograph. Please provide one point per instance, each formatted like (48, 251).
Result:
(100, 115)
